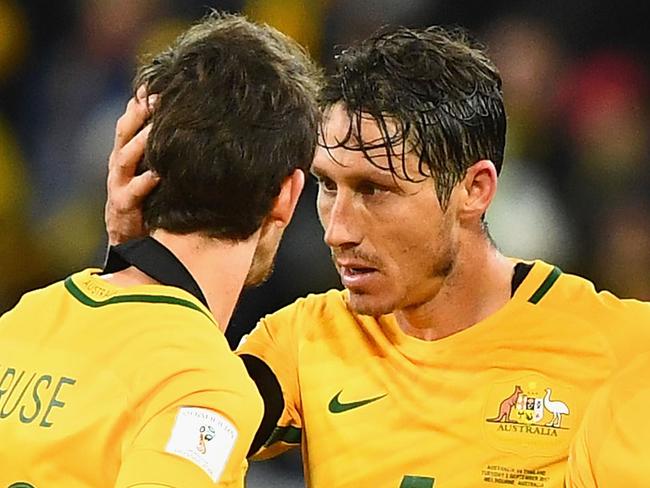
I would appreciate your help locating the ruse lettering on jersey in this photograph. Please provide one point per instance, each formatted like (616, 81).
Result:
(30, 395)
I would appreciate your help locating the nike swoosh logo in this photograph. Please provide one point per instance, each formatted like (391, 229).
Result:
(336, 406)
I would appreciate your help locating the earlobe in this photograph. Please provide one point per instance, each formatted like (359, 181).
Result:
(285, 203)
(480, 187)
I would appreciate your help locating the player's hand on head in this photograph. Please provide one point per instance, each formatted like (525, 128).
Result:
(126, 190)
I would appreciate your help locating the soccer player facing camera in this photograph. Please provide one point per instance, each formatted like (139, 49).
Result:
(123, 377)
(442, 362)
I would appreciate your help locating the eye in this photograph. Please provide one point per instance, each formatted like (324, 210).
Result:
(325, 184)
(371, 189)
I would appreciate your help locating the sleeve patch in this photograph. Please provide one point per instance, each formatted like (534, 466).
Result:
(203, 437)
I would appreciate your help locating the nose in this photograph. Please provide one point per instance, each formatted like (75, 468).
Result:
(341, 223)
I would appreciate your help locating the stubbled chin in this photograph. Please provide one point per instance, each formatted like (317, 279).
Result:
(367, 304)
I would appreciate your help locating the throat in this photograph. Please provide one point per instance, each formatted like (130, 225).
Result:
(462, 302)
(434, 324)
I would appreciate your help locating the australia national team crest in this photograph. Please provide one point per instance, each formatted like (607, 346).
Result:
(529, 415)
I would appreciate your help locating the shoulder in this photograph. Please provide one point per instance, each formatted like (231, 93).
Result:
(578, 297)
(634, 378)
(190, 357)
(613, 414)
(141, 310)
(40, 296)
(312, 309)
(314, 315)
(318, 302)
(153, 332)
(599, 321)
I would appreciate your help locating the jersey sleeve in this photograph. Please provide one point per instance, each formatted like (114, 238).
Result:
(195, 414)
(610, 447)
(275, 341)
(629, 330)
(580, 472)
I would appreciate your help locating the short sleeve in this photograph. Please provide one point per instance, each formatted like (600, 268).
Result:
(610, 447)
(579, 468)
(195, 414)
(275, 341)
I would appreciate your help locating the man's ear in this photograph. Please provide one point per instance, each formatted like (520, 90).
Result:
(285, 203)
(479, 187)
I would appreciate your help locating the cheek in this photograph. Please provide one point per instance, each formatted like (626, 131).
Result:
(417, 249)
(404, 249)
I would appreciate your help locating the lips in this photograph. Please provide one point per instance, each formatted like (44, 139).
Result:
(355, 274)
(355, 265)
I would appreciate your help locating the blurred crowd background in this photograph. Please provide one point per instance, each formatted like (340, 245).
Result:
(574, 189)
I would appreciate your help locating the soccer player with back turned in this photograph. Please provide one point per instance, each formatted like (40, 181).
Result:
(123, 377)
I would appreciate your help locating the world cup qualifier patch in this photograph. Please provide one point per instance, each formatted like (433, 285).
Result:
(203, 437)
(530, 415)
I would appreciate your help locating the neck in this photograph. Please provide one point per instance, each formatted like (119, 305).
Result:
(478, 285)
(219, 268)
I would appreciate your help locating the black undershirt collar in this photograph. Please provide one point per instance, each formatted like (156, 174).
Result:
(156, 261)
(519, 275)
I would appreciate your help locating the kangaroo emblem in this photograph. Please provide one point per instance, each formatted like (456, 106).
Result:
(506, 406)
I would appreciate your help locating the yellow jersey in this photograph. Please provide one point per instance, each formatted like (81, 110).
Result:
(496, 404)
(612, 447)
(103, 386)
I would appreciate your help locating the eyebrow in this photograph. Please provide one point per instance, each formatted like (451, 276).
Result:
(317, 173)
(387, 181)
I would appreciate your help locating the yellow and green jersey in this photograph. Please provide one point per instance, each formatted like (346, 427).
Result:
(496, 404)
(102, 386)
(612, 447)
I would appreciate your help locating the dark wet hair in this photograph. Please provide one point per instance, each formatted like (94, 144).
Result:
(237, 113)
(438, 88)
